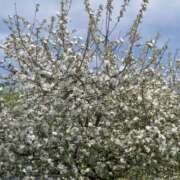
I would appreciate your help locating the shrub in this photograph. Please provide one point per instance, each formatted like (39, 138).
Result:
(87, 111)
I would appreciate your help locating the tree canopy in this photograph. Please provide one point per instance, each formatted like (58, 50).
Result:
(90, 108)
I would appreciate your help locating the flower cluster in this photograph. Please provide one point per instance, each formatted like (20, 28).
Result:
(85, 111)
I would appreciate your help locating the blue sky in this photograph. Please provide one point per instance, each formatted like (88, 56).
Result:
(162, 16)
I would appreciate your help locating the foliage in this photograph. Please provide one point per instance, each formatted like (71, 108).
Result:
(92, 109)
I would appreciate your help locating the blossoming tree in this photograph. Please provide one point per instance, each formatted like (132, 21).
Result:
(87, 109)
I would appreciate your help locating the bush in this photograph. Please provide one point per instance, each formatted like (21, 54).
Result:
(87, 111)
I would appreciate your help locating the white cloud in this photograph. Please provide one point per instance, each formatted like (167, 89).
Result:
(27, 8)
